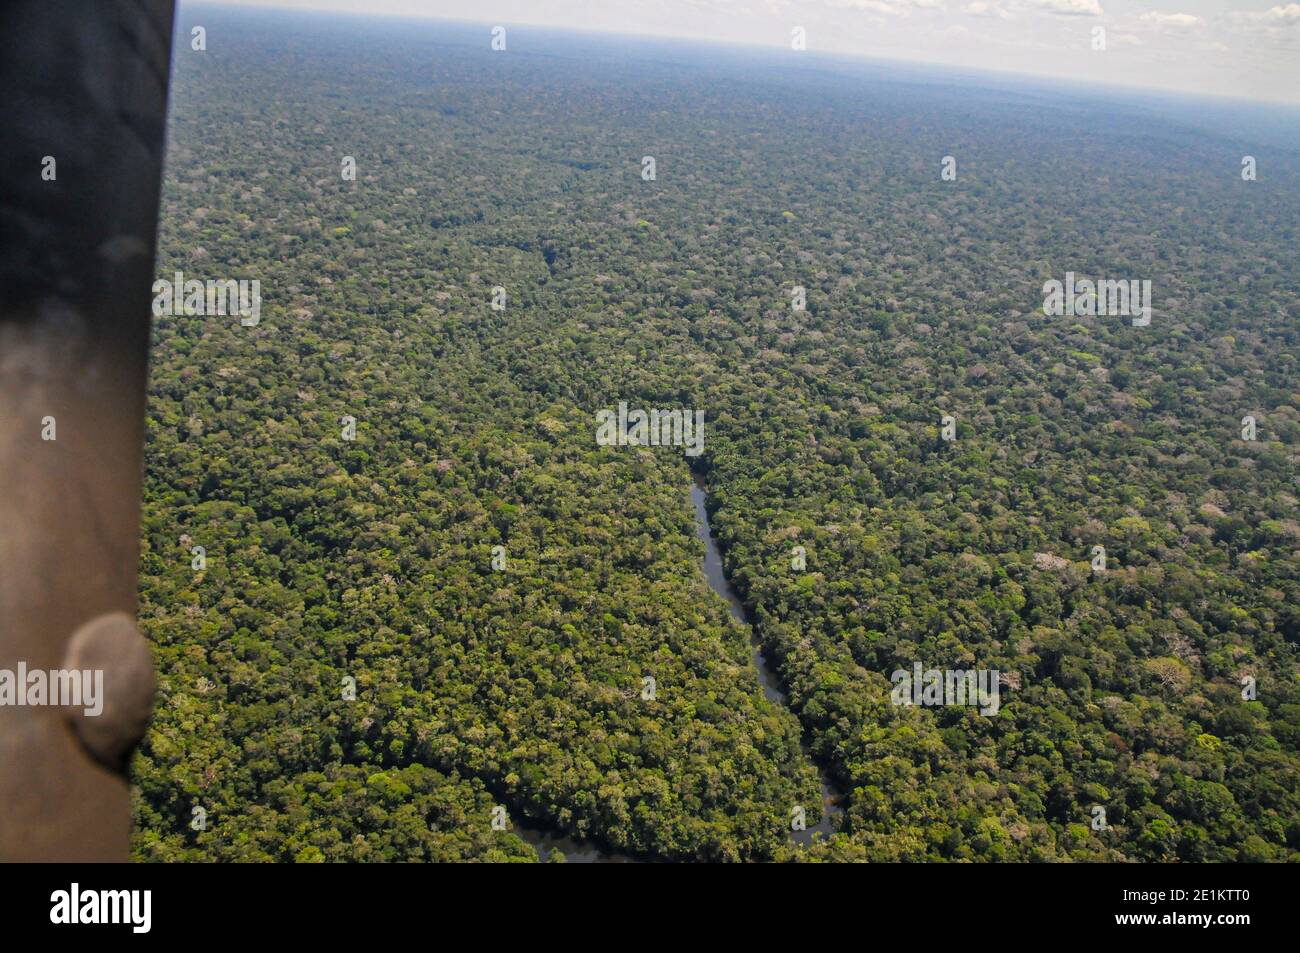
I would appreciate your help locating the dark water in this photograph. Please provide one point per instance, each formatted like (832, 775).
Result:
(575, 851)
(578, 851)
(767, 676)
(718, 582)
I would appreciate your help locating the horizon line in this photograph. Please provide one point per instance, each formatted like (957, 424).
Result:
(993, 73)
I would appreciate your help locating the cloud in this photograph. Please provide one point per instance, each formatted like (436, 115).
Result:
(987, 8)
(1273, 22)
(889, 8)
(1287, 14)
(1178, 20)
(1069, 8)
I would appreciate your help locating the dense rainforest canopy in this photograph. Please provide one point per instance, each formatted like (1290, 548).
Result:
(497, 585)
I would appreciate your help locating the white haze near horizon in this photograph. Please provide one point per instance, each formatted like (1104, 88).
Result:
(1242, 48)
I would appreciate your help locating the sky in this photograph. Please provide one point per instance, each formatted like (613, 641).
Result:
(1242, 48)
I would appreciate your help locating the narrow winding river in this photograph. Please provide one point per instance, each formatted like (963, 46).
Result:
(771, 683)
(584, 852)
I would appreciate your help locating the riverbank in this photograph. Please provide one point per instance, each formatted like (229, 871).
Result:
(767, 676)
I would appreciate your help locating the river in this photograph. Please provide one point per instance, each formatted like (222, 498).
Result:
(767, 676)
(585, 852)
(575, 850)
